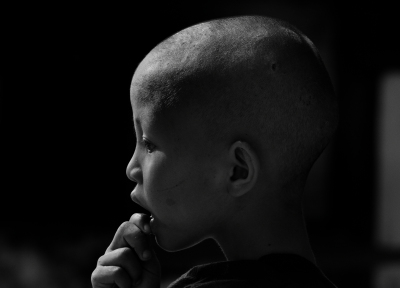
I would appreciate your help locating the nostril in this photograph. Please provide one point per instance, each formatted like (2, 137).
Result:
(134, 175)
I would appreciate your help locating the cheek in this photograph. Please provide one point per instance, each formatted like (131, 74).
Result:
(192, 196)
(181, 188)
(177, 197)
(163, 181)
(154, 172)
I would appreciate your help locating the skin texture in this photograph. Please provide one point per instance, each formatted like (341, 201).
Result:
(178, 179)
(248, 78)
(128, 261)
(229, 117)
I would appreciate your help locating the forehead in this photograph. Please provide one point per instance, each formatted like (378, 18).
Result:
(176, 96)
(154, 83)
(147, 96)
(162, 87)
(171, 121)
(147, 115)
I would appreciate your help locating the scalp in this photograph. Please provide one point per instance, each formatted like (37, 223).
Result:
(251, 78)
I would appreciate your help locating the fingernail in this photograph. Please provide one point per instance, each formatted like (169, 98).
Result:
(147, 228)
(146, 254)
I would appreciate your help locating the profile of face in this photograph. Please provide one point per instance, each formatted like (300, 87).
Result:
(177, 174)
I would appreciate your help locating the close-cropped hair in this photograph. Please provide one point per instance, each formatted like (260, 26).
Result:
(252, 78)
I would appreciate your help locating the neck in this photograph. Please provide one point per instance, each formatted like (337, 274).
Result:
(258, 231)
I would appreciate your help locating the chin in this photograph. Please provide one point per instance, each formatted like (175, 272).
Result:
(174, 244)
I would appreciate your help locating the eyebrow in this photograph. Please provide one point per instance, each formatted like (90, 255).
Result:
(137, 121)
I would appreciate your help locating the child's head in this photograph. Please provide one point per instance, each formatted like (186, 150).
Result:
(229, 114)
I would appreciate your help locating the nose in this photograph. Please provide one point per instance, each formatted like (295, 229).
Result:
(133, 170)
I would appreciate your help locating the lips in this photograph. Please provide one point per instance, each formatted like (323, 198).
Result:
(137, 201)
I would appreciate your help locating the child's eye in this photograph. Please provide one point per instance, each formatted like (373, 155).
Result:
(149, 146)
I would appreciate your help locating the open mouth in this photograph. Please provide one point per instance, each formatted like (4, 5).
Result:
(152, 224)
(137, 201)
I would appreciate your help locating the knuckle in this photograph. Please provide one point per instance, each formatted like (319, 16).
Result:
(126, 253)
(138, 238)
(136, 217)
(117, 271)
(100, 261)
(135, 240)
(127, 228)
(95, 276)
(124, 225)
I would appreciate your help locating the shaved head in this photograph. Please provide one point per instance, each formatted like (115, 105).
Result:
(253, 79)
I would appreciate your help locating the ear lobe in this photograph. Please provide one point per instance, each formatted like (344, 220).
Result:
(244, 171)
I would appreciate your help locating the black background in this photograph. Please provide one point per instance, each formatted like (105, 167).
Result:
(67, 133)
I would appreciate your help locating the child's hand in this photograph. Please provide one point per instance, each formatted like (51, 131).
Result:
(129, 261)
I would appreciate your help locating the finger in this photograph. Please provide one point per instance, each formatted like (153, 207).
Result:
(124, 258)
(107, 276)
(142, 221)
(129, 235)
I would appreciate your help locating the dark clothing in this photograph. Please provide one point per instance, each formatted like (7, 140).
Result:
(270, 271)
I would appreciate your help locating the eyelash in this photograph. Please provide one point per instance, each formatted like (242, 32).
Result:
(149, 146)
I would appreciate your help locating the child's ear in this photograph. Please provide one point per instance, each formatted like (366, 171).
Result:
(244, 168)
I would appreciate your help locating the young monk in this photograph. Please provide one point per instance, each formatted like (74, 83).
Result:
(229, 115)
